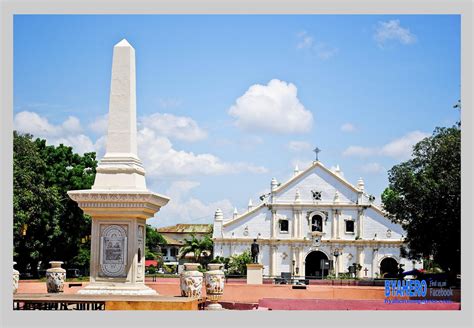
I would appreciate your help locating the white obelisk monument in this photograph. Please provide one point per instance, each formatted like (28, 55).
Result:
(119, 202)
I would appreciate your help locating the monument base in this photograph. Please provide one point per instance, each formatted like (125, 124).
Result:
(254, 274)
(117, 289)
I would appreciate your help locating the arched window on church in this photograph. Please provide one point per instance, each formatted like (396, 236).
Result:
(317, 223)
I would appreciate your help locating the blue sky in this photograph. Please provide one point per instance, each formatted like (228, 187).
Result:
(227, 102)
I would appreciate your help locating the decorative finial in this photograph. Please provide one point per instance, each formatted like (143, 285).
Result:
(360, 184)
(235, 212)
(317, 151)
(297, 196)
(250, 205)
(297, 170)
(274, 184)
(218, 216)
(337, 169)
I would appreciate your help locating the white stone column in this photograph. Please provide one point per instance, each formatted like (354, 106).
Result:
(292, 258)
(360, 225)
(300, 261)
(340, 260)
(119, 202)
(334, 225)
(300, 224)
(334, 261)
(120, 168)
(295, 224)
(273, 249)
(297, 261)
(337, 214)
(374, 262)
(360, 260)
(273, 224)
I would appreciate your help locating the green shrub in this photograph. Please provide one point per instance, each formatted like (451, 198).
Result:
(238, 263)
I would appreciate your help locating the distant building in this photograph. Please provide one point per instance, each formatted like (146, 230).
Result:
(175, 235)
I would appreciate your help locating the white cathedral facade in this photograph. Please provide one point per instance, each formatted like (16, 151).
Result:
(316, 215)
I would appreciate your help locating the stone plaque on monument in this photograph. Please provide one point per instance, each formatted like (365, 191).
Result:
(113, 257)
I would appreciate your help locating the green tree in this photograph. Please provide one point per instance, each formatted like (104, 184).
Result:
(152, 244)
(237, 264)
(153, 238)
(197, 247)
(37, 207)
(48, 225)
(424, 196)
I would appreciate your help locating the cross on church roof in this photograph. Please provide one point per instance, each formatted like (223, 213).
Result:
(317, 151)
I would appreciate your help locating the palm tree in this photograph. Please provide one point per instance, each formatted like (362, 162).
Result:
(197, 247)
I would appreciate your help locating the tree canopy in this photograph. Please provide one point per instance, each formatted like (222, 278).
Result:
(47, 224)
(153, 242)
(424, 195)
(197, 246)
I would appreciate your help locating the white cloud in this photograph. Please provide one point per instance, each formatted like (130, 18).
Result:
(400, 148)
(305, 40)
(359, 151)
(299, 146)
(161, 159)
(67, 133)
(71, 125)
(168, 125)
(156, 151)
(392, 31)
(348, 127)
(33, 123)
(178, 127)
(274, 107)
(321, 49)
(100, 124)
(184, 208)
(373, 168)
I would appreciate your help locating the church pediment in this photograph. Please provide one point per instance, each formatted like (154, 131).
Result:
(317, 183)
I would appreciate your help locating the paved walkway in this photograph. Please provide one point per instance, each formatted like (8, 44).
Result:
(279, 297)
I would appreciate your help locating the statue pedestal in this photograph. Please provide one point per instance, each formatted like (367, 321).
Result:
(254, 274)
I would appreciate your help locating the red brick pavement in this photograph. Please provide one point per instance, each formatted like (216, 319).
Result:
(281, 297)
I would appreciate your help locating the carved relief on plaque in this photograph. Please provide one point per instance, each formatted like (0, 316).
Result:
(113, 251)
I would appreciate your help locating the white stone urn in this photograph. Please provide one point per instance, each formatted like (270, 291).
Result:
(191, 281)
(214, 279)
(16, 278)
(55, 277)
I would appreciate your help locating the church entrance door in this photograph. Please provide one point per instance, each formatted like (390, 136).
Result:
(389, 268)
(314, 267)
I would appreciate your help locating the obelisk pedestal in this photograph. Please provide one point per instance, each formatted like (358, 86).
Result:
(119, 202)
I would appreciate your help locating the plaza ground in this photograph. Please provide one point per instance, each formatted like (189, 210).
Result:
(240, 296)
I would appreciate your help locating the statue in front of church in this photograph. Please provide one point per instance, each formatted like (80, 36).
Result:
(254, 250)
